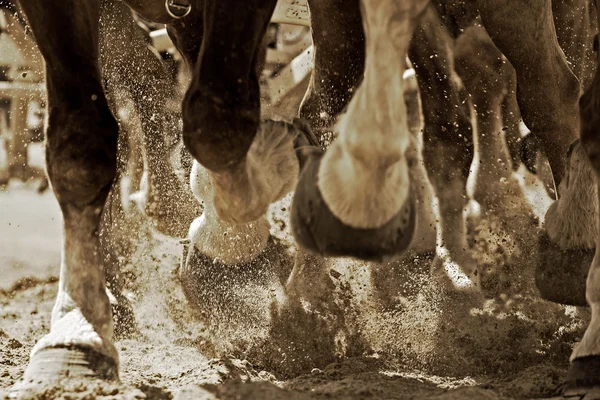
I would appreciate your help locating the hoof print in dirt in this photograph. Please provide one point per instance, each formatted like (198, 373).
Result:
(316, 229)
(301, 339)
(49, 366)
(561, 275)
(583, 379)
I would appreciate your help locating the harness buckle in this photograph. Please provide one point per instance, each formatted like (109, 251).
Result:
(178, 10)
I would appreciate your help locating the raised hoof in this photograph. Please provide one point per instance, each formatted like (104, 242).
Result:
(561, 275)
(49, 366)
(316, 228)
(210, 286)
(583, 379)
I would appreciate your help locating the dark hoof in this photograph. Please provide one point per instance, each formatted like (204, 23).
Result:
(213, 288)
(49, 366)
(318, 230)
(561, 275)
(583, 379)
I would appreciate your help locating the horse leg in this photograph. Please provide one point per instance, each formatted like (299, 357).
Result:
(242, 165)
(511, 121)
(169, 204)
(547, 92)
(487, 75)
(448, 146)
(575, 33)
(81, 161)
(356, 200)
(585, 359)
(339, 58)
(544, 80)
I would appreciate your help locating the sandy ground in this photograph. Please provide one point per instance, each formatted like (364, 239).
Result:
(400, 340)
(384, 331)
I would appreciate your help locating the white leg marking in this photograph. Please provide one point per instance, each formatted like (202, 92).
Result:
(452, 247)
(226, 242)
(364, 176)
(269, 173)
(571, 221)
(82, 313)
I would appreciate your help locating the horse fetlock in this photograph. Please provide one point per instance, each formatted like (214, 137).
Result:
(229, 243)
(571, 221)
(456, 270)
(244, 192)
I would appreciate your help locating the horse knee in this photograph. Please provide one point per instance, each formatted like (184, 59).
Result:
(82, 165)
(216, 130)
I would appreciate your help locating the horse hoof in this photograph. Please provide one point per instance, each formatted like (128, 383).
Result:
(583, 379)
(316, 228)
(211, 286)
(561, 275)
(49, 366)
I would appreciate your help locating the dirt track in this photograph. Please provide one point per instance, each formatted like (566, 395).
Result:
(423, 345)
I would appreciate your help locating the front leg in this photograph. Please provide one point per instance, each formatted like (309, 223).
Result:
(339, 59)
(447, 147)
(356, 199)
(81, 150)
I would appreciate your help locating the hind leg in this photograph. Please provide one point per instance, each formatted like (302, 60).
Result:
(547, 92)
(505, 213)
(486, 76)
(169, 204)
(524, 32)
(30, 71)
(448, 146)
(81, 161)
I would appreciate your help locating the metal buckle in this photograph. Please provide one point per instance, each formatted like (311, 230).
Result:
(177, 11)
